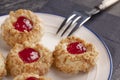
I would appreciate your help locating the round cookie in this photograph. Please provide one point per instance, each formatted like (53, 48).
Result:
(73, 55)
(21, 26)
(2, 66)
(29, 58)
(27, 76)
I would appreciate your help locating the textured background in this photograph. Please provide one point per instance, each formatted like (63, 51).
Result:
(36, 5)
(106, 24)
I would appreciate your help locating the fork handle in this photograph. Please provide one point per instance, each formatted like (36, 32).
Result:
(104, 4)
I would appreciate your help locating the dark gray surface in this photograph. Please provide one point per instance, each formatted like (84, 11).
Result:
(106, 24)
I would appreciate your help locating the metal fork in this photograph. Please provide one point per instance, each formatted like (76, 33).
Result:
(77, 19)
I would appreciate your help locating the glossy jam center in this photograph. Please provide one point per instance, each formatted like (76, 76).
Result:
(29, 55)
(23, 23)
(32, 78)
(76, 48)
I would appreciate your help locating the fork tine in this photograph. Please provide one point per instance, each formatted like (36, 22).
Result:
(80, 23)
(74, 29)
(65, 21)
(75, 19)
(66, 28)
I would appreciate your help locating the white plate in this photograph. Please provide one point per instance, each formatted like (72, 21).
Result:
(104, 66)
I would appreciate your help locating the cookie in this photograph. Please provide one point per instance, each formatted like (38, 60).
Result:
(73, 55)
(22, 26)
(29, 58)
(27, 76)
(2, 66)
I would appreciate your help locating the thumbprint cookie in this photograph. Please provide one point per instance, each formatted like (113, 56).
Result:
(2, 67)
(73, 55)
(27, 76)
(22, 26)
(29, 58)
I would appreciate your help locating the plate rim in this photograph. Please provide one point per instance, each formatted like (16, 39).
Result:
(107, 49)
(96, 34)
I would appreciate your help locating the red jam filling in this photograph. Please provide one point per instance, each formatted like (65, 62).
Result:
(76, 48)
(22, 24)
(32, 78)
(29, 55)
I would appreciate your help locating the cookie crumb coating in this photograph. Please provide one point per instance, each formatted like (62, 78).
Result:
(15, 65)
(13, 36)
(24, 76)
(74, 63)
(2, 67)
